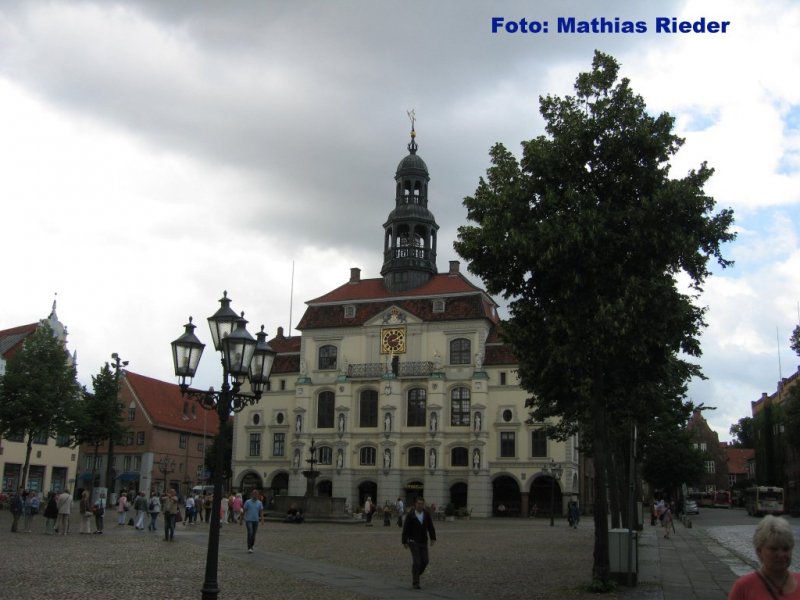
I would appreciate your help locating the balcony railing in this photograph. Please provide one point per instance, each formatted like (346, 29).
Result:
(378, 370)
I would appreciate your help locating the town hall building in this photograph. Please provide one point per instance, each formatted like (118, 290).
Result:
(405, 388)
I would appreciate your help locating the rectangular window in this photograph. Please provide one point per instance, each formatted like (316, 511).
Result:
(710, 467)
(62, 441)
(132, 413)
(129, 438)
(40, 437)
(255, 444)
(140, 438)
(183, 440)
(367, 456)
(325, 455)
(459, 407)
(126, 461)
(538, 443)
(15, 436)
(502, 377)
(279, 444)
(508, 444)
(87, 462)
(137, 462)
(702, 446)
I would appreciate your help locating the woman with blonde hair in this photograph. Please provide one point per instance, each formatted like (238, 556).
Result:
(774, 542)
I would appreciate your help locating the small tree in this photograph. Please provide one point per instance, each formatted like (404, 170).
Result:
(37, 391)
(97, 416)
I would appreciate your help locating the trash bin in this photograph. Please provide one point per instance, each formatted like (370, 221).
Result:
(618, 555)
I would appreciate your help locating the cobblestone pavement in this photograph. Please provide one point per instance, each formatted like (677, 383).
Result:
(738, 539)
(501, 559)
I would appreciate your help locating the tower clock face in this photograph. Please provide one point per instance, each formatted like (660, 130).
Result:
(393, 340)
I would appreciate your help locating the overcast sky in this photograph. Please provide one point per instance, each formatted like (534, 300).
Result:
(154, 154)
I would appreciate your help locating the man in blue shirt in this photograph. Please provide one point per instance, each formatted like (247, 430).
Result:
(252, 515)
(417, 528)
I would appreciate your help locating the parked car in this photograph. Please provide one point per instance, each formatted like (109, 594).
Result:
(690, 507)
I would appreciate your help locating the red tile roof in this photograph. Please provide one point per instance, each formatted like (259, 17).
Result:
(164, 405)
(11, 339)
(737, 459)
(373, 289)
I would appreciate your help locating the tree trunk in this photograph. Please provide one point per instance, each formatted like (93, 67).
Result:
(601, 568)
(612, 464)
(28, 448)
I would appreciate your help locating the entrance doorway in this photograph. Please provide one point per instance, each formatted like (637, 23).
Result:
(506, 497)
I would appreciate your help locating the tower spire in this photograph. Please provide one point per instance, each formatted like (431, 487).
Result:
(412, 146)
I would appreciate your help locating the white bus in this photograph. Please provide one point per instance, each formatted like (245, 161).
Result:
(764, 500)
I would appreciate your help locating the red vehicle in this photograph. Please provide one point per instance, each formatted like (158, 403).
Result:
(722, 499)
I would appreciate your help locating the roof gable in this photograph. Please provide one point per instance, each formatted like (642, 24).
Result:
(164, 405)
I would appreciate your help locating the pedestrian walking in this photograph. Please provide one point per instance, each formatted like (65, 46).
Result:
(85, 511)
(666, 521)
(387, 514)
(122, 508)
(64, 504)
(140, 505)
(574, 514)
(417, 529)
(189, 509)
(31, 510)
(773, 541)
(50, 514)
(99, 510)
(154, 508)
(252, 515)
(400, 507)
(17, 507)
(207, 507)
(224, 513)
(369, 508)
(169, 506)
(238, 504)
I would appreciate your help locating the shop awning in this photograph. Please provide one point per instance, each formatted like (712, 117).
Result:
(85, 476)
(128, 476)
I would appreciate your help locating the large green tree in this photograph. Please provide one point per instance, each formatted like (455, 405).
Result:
(586, 237)
(96, 416)
(37, 391)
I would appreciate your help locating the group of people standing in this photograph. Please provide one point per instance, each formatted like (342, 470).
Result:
(26, 504)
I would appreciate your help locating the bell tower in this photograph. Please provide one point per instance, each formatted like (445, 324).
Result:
(409, 241)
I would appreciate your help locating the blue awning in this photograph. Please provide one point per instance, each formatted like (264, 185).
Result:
(128, 476)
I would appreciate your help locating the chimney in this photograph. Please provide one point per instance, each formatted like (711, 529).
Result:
(355, 275)
(454, 267)
(280, 332)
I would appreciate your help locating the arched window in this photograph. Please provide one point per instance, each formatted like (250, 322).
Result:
(368, 409)
(416, 457)
(327, 358)
(416, 408)
(460, 351)
(459, 457)
(459, 407)
(367, 455)
(325, 403)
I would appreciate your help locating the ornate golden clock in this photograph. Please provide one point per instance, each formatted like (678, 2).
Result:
(393, 340)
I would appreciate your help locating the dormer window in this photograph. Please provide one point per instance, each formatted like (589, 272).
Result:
(350, 311)
(438, 305)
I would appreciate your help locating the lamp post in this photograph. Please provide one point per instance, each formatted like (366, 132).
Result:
(166, 465)
(555, 470)
(117, 365)
(243, 358)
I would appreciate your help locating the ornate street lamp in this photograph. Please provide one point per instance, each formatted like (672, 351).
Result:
(555, 470)
(243, 358)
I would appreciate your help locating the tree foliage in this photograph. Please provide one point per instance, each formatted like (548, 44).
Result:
(96, 417)
(37, 391)
(586, 236)
(743, 433)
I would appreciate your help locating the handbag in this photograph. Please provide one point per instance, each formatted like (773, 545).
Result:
(768, 586)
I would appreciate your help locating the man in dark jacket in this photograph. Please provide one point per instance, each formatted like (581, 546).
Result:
(17, 505)
(417, 528)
